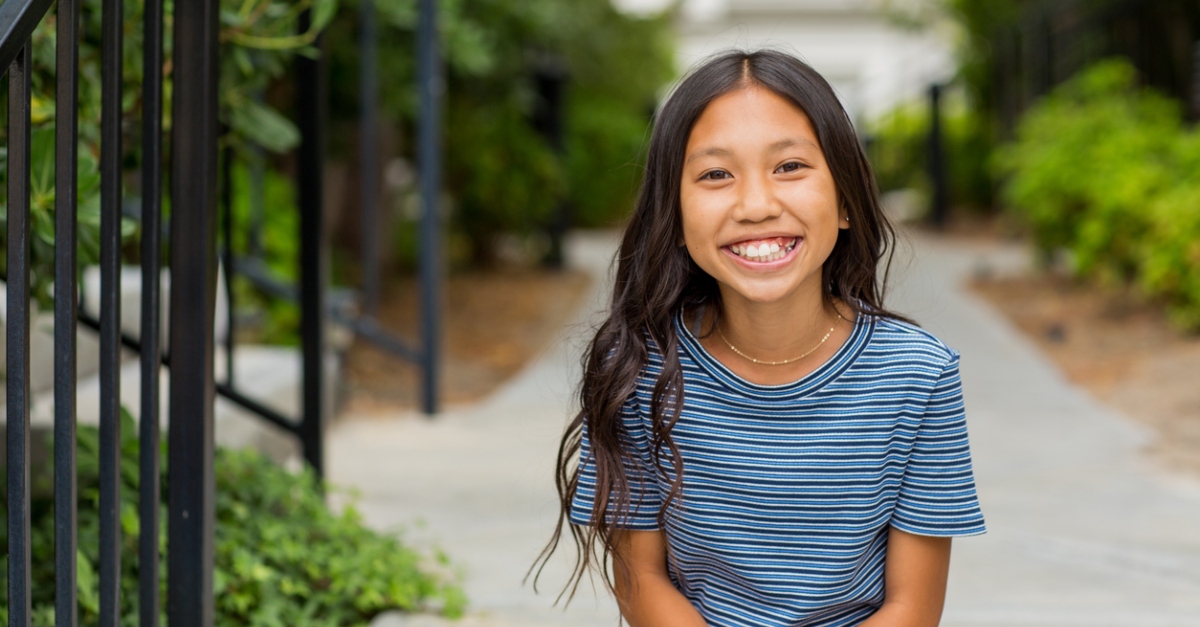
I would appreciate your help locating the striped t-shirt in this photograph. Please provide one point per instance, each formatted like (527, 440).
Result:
(789, 490)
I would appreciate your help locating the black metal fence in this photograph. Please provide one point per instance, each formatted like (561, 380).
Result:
(195, 197)
(1056, 39)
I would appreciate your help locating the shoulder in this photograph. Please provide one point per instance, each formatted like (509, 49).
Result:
(904, 340)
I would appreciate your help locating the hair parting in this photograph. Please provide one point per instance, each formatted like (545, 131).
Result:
(656, 278)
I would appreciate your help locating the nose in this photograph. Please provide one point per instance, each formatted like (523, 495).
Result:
(756, 201)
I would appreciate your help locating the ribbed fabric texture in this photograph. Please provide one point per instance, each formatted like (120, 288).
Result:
(789, 490)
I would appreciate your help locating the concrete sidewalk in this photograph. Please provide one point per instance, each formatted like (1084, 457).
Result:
(1084, 530)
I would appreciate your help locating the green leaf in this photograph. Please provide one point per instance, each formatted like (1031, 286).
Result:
(322, 13)
(87, 584)
(264, 126)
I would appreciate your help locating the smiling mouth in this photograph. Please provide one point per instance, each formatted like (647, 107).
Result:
(764, 250)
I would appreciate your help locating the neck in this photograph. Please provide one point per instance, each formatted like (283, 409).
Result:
(776, 331)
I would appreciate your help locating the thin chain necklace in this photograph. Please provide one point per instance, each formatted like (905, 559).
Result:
(785, 361)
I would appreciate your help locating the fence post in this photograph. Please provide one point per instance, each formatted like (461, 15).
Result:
(938, 207)
(66, 142)
(149, 463)
(17, 336)
(551, 81)
(310, 91)
(429, 159)
(111, 73)
(193, 300)
(368, 138)
(1195, 83)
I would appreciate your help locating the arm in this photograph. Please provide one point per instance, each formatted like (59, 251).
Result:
(644, 590)
(914, 581)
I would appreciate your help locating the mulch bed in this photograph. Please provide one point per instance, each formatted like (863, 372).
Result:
(493, 323)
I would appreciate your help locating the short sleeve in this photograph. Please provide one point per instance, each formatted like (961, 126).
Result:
(645, 496)
(937, 494)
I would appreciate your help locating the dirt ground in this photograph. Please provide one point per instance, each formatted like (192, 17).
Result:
(1119, 347)
(493, 324)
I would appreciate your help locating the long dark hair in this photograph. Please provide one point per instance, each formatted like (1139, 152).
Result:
(656, 278)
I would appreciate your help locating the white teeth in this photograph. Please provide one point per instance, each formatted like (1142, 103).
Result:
(763, 252)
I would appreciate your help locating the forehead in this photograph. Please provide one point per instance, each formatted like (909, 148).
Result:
(749, 119)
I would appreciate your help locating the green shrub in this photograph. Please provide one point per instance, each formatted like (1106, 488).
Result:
(1105, 169)
(501, 176)
(283, 557)
(1169, 256)
(900, 145)
(280, 253)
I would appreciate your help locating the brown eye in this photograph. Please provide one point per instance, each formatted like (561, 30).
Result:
(715, 175)
(791, 166)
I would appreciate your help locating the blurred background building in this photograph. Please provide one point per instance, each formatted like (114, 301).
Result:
(874, 54)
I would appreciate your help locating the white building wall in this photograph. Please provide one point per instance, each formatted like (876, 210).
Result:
(872, 62)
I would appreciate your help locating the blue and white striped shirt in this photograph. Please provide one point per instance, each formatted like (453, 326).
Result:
(789, 490)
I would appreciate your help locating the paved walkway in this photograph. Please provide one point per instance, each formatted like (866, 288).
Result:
(1084, 529)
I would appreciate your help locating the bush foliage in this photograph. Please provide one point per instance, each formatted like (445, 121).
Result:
(1106, 170)
(900, 146)
(283, 557)
(501, 175)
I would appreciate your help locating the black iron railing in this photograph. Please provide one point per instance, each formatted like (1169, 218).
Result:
(1054, 40)
(358, 310)
(195, 188)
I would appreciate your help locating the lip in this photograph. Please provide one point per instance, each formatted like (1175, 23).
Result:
(760, 265)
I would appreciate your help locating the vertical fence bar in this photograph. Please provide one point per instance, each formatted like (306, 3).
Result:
(110, 313)
(227, 256)
(310, 92)
(430, 87)
(66, 137)
(148, 464)
(17, 336)
(551, 81)
(1194, 91)
(939, 200)
(369, 160)
(193, 295)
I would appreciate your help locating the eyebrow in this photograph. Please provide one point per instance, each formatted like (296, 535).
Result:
(709, 152)
(788, 143)
(717, 151)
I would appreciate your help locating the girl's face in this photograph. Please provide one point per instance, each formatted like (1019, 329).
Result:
(760, 208)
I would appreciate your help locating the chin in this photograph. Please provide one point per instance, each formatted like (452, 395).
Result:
(764, 295)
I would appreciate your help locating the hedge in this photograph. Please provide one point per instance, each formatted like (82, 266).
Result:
(1107, 172)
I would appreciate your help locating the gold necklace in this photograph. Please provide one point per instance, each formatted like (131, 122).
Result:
(786, 361)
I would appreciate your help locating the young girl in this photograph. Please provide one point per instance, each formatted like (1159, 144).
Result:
(760, 442)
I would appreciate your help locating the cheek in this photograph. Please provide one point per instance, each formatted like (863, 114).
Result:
(819, 202)
(696, 219)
